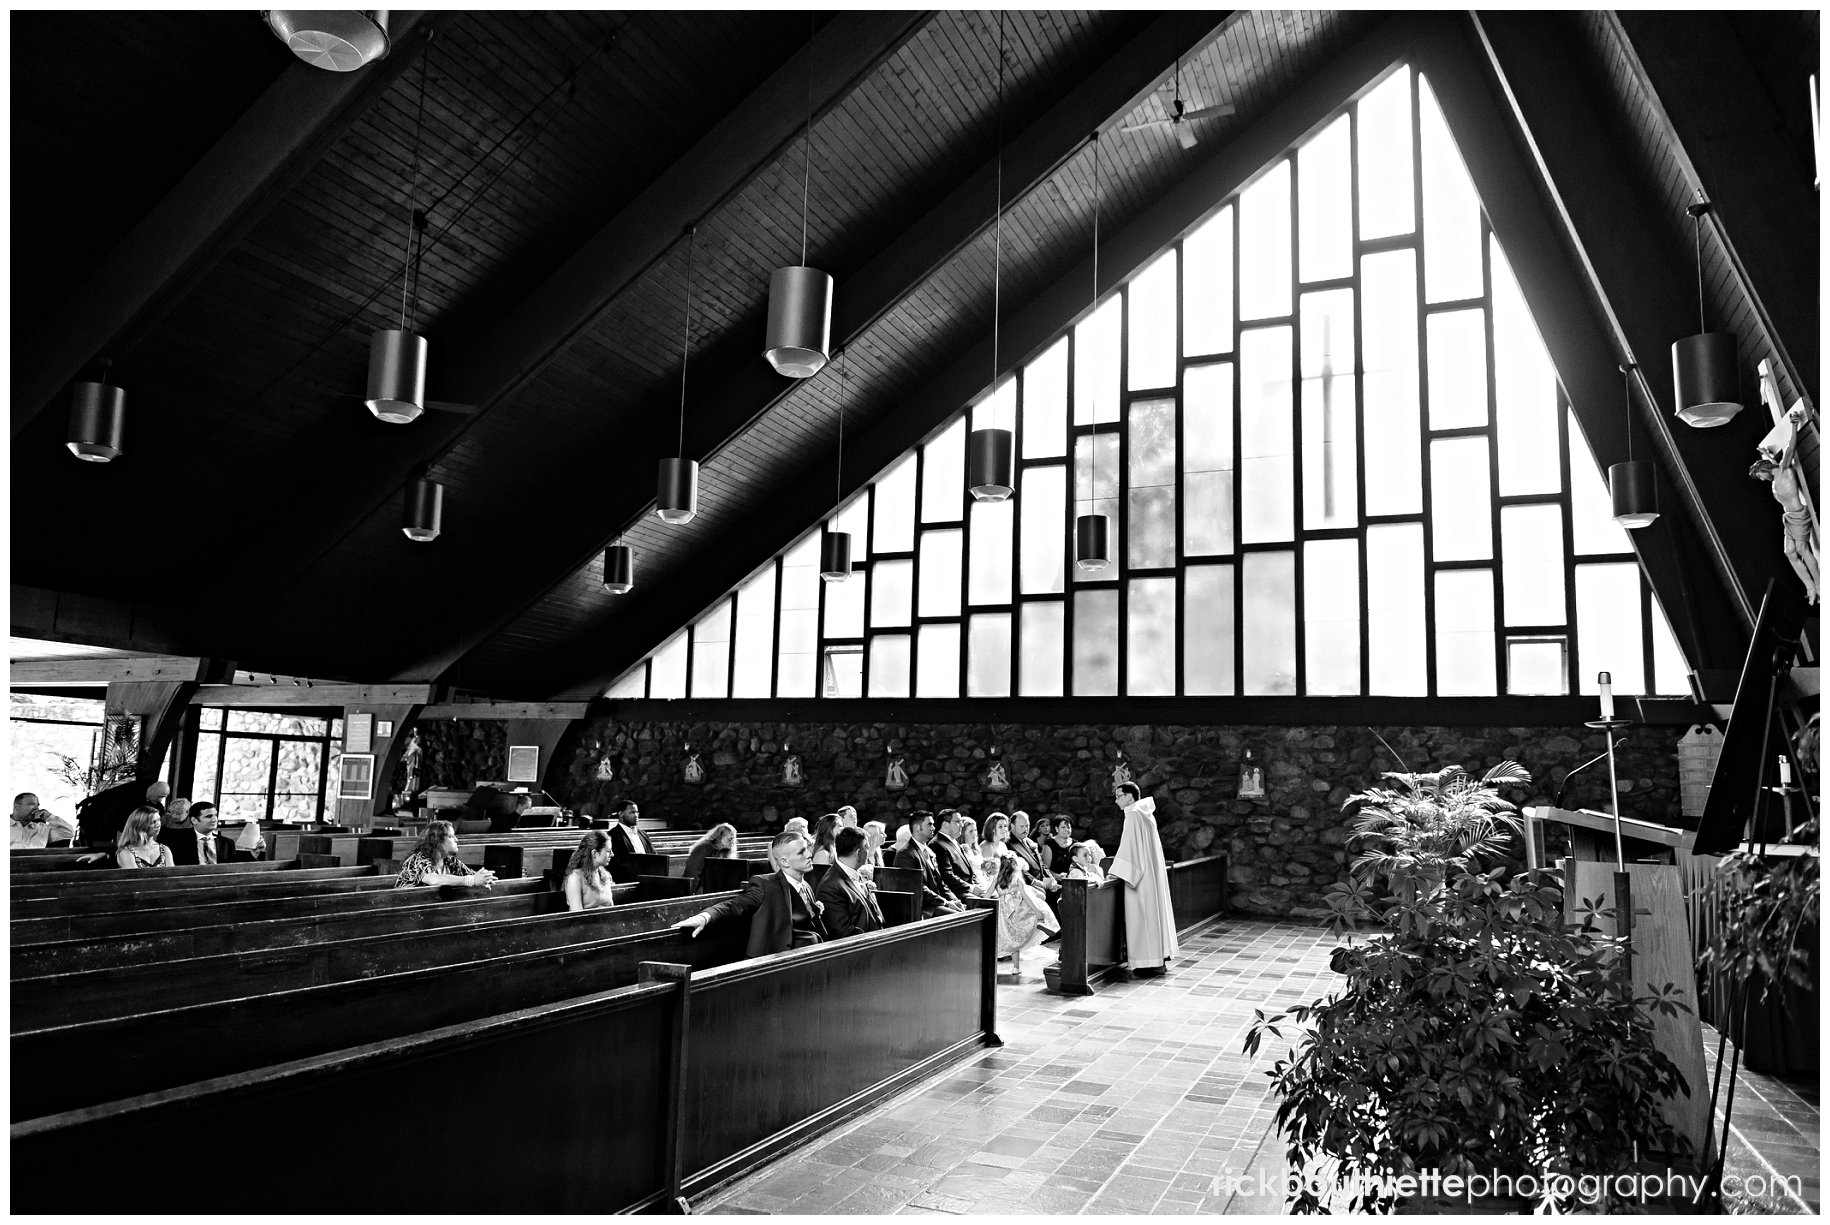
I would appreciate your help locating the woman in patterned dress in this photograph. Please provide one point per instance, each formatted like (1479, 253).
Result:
(435, 862)
(587, 885)
(138, 845)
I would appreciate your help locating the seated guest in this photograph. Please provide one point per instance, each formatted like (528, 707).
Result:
(902, 840)
(626, 837)
(848, 816)
(1025, 848)
(848, 906)
(936, 895)
(1058, 845)
(179, 834)
(1086, 862)
(34, 827)
(204, 819)
(435, 861)
(781, 906)
(955, 868)
(875, 834)
(822, 838)
(968, 839)
(138, 844)
(997, 835)
(587, 885)
(1023, 918)
(797, 825)
(718, 842)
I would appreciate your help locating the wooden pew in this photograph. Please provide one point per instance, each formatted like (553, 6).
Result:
(190, 910)
(161, 1050)
(629, 867)
(94, 995)
(298, 882)
(1093, 921)
(687, 1046)
(718, 875)
(86, 877)
(56, 886)
(509, 899)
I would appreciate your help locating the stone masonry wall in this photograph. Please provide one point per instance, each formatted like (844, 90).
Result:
(1286, 848)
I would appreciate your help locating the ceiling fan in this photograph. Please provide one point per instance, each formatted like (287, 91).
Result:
(1180, 119)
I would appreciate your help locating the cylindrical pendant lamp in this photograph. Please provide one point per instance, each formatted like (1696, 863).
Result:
(988, 457)
(336, 40)
(835, 556)
(397, 375)
(619, 569)
(1091, 552)
(677, 491)
(425, 509)
(98, 417)
(1630, 486)
(800, 321)
(1708, 380)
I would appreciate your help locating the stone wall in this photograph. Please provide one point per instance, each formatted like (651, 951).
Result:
(455, 753)
(1286, 848)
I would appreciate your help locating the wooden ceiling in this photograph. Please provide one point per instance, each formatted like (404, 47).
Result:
(562, 155)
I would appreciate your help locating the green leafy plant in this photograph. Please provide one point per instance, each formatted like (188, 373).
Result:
(1768, 910)
(1433, 822)
(1474, 1032)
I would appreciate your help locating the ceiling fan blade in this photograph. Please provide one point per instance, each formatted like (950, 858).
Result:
(446, 406)
(1146, 125)
(1185, 135)
(1216, 111)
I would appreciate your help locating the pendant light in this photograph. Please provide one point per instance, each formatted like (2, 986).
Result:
(835, 547)
(1703, 367)
(336, 40)
(424, 508)
(1092, 543)
(1630, 485)
(98, 416)
(799, 334)
(989, 452)
(677, 494)
(619, 568)
(397, 356)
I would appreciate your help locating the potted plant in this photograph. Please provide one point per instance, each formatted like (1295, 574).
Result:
(1476, 1033)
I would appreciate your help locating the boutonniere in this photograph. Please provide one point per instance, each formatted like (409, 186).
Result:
(819, 907)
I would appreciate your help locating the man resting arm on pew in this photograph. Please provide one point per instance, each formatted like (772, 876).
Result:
(936, 896)
(783, 912)
(844, 896)
(435, 862)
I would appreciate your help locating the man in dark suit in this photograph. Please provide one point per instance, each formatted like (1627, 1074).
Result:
(1027, 849)
(937, 896)
(783, 912)
(955, 868)
(625, 837)
(848, 907)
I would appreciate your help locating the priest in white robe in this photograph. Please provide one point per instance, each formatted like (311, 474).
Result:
(1150, 925)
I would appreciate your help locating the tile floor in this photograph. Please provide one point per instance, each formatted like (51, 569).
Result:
(1139, 1101)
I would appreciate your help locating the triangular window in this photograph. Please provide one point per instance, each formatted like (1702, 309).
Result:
(1335, 457)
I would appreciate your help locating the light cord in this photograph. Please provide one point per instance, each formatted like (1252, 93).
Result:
(838, 480)
(997, 250)
(1697, 227)
(686, 341)
(807, 142)
(419, 131)
(1093, 487)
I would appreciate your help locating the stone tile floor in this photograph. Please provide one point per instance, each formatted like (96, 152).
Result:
(1139, 1101)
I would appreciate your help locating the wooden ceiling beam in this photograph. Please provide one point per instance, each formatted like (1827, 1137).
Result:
(243, 175)
(905, 261)
(106, 669)
(599, 653)
(316, 695)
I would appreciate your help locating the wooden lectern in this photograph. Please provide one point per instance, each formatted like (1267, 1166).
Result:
(1661, 949)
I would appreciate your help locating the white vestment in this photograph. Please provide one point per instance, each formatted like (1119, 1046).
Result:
(1150, 925)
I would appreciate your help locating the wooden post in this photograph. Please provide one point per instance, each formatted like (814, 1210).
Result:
(673, 1122)
(988, 987)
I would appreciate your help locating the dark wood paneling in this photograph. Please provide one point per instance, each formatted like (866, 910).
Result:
(541, 1089)
(783, 1035)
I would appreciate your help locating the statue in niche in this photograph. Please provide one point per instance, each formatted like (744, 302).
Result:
(997, 778)
(606, 768)
(791, 769)
(1121, 773)
(1251, 779)
(409, 766)
(896, 775)
(691, 772)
